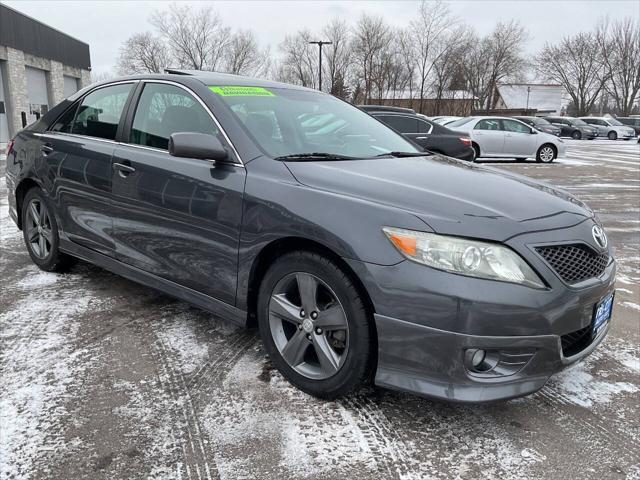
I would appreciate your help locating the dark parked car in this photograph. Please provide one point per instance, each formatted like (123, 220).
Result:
(633, 122)
(541, 124)
(429, 135)
(358, 256)
(573, 127)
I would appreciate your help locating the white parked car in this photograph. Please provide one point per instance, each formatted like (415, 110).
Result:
(501, 137)
(610, 128)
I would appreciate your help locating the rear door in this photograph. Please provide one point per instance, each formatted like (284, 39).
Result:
(76, 153)
(177, 218)
(488, 133)
(518, 139)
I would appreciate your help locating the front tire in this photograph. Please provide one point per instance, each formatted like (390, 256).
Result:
(576, 135)
(476, 149)
(612, 135)
(40, 232)
(314, 325)
(546, 153)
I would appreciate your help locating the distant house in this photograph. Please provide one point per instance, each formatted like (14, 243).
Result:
(535, 98)
(450, 102)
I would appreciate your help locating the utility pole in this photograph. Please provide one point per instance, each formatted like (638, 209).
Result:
(528, 92)
(320, 43)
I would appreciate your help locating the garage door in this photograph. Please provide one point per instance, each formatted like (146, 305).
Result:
(37, 92)
(70, 86)
(4, 126)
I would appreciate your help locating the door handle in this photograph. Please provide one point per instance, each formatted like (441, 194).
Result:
(421, 138)
(123, 170)
(46, 149)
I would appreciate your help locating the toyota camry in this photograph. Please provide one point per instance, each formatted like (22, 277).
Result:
(359, 257)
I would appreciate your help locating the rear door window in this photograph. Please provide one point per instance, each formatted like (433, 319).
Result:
(403, 124)
(99, 113)
(165, 109)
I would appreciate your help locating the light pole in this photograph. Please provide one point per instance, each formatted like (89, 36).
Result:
(320, 43)
(528, 92)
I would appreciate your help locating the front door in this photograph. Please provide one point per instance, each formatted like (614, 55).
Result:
(177, 218)
(518, 139)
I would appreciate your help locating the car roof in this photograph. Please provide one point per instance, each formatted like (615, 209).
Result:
(386, 108)
(208, 78)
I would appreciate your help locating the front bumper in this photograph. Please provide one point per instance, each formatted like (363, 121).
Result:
(427, 319)
(431, 362)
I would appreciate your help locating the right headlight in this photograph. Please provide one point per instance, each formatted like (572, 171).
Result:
(463, 256)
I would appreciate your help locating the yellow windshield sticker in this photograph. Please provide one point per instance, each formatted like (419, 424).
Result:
(228, 91)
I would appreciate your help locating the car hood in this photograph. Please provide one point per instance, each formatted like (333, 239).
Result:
(450, 196)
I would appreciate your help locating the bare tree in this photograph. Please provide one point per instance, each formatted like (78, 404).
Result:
(576, 65)
(300, 61)
(142, 53)
(370, 45)
(197, 39)
(447, 68)
(429, 29)
(244, 57)
(337, 57)
(620, 49)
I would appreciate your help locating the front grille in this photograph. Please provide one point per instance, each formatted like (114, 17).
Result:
(574, 263)
(575, 342)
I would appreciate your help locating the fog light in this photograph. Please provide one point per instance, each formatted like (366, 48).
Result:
(478, 357)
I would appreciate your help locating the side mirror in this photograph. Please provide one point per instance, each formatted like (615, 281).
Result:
(197, 145)
(534, 131)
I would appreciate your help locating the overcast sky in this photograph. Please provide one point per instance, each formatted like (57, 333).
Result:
(105, 25)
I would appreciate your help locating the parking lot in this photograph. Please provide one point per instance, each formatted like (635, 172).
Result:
(103, 378)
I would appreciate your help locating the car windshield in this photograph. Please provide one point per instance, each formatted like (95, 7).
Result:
(577, 121)
(290, 123)
(459, 123)
(613, 121)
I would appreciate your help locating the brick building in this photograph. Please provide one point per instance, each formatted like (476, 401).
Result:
(39, 67)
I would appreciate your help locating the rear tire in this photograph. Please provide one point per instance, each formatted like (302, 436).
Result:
(576, 135)
(612, 135)
(547, 153)
(40, 233)
(297, 340)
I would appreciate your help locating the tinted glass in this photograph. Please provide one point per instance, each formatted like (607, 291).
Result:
(576, 121)
(165, 109)
(289, 122)
(516, 127)
(539, 121)
(613, 121)
(100, 112)
(488, 124)
(424, 126)
(403, 124)
(65, 121)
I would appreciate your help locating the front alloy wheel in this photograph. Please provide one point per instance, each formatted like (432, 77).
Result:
(314, 324)
(546, 154)
(308, 325)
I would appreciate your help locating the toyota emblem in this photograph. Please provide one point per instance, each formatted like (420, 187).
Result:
(599, 236)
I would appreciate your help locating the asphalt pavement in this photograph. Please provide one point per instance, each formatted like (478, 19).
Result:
(101, 378)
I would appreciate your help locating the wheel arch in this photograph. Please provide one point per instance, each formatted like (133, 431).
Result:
(275, 249)
(476, 147)
(21, 192)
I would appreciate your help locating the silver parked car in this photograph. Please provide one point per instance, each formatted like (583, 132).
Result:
(502, 137)
(610, 127)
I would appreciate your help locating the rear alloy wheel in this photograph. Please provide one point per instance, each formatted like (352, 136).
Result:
(40, 232)
(546, 154)
(612, 135)
(576, 135)
(314, 325)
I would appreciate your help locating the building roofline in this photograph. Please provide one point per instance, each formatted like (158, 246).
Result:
(42, 23)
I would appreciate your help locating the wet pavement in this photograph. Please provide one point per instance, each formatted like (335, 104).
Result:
(102, 378)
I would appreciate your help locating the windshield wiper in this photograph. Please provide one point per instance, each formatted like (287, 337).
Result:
(315, 156)
(405, 154)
